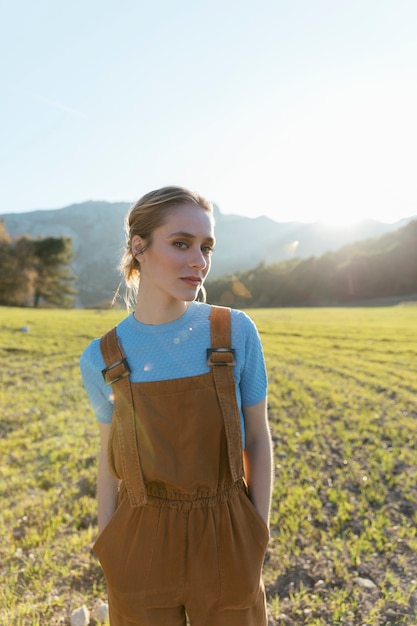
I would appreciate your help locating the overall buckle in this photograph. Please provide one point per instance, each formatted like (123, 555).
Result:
(125, 371)
(221, 353)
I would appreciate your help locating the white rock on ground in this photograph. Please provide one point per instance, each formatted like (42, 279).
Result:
(80, 617)
(366, 583)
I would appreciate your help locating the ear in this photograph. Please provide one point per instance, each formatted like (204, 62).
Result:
(137, 245)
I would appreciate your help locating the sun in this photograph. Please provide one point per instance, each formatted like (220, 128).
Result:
(340, 221)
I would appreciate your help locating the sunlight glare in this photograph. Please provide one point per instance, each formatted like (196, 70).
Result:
(341, 221)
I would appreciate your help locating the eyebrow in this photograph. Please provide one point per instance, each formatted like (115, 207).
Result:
(183, 233)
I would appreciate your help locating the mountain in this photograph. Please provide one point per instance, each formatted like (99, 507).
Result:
(97, 231)
(376, 271)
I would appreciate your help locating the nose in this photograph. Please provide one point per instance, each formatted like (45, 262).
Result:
(198, 260)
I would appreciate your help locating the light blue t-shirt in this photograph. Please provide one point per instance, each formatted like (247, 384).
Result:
(177, 350)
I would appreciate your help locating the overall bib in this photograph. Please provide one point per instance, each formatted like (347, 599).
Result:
(185, 538)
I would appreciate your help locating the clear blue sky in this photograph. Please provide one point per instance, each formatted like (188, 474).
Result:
(296, 109)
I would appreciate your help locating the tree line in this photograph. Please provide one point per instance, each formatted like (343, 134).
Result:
(36, 272)
(383, 267)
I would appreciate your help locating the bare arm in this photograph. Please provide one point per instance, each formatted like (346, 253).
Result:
(107, 484)
(257, 458)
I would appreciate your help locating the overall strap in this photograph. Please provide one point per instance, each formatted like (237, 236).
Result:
(221, 358)
(116, 374)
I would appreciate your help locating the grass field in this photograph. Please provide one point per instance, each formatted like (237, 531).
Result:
(343, 413)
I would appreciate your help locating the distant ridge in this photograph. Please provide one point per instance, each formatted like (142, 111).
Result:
(97, 231)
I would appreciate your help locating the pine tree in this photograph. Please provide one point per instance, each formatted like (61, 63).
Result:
(54, 278)
(35, 270)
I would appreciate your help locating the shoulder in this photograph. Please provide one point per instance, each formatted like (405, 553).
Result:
(243, 328)
(242, 324)
(92, 364)
(91, 354)
(92, 358)
(237, 316)
(241, 317)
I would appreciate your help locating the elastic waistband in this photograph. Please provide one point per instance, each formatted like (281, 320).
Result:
(162, 497)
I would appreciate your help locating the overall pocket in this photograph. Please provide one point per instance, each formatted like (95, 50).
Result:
(125, 548)
(243, 539)
(107, 531)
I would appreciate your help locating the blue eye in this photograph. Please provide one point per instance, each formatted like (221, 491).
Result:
(181, 244)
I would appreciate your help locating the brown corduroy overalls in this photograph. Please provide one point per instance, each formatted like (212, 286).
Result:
(185, 538)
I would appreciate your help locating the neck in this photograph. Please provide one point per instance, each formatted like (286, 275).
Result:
(147, 313)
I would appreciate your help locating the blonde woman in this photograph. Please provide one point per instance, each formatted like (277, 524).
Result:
(179, 389)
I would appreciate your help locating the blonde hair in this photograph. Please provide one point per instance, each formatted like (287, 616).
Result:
(147, 214)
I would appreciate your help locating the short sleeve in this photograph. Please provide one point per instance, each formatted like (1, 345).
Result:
(253, 381)
(99, 394)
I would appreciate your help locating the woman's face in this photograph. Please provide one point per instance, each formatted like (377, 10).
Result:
(176, 262)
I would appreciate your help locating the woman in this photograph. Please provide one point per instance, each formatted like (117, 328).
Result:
(179, 390)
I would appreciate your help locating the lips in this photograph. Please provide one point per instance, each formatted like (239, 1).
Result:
(193, 281)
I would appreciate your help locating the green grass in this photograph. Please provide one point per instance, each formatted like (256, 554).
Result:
(343, 413)
(343, 389)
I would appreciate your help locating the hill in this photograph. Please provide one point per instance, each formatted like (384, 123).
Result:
(379, 270)
(96, 229)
